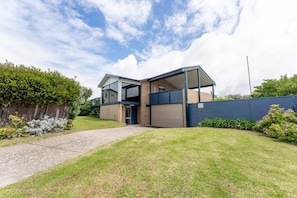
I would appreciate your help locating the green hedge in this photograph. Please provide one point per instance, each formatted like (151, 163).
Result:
(228, 123)
(21, 84)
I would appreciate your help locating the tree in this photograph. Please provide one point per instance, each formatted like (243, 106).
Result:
(285, 86)
(86, 109)
(85, 93)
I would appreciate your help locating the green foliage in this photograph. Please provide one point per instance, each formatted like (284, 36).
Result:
(86, 109)
(279, 124)
(85, 93)
(30, 85)
(232, 97)
(222, 99)
(7, 132)
(285, 86)
(17, 122)
(228, 123)
(69, 124)
(14, 129)
(20, 128)
(238, 96)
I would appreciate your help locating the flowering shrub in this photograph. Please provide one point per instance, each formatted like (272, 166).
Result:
(279, 124)
(46, 125)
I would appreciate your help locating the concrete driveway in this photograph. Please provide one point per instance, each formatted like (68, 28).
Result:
(23, 160)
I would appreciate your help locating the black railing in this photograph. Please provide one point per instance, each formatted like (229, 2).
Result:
(167, 97)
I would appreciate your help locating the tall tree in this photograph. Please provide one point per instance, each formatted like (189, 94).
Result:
(285, 86)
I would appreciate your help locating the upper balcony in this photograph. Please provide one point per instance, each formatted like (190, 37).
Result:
(167, 97)
(177, 96)
(181, 85)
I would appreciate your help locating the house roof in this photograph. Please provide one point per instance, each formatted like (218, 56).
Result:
(175, 77)
(108, 76)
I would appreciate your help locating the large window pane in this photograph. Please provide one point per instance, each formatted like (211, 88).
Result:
(110, 93)
(132, 92)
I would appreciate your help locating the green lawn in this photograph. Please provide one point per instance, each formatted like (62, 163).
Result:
(81, 123)
(190, 162)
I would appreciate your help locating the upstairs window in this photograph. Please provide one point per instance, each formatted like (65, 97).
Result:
(162, 88)
(110, 93)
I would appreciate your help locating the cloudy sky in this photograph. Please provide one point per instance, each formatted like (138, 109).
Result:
(143, 38)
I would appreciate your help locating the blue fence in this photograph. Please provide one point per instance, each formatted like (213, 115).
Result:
(250, 109)
(167, 97)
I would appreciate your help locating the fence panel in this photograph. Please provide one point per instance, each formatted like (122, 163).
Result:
(250, 109)
(32, 111)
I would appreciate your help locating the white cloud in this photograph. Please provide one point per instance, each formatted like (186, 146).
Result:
(124, 18)
(265, 31)
(126, 67)
(204, 16)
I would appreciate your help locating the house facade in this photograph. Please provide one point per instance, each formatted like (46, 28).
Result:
(160, 101)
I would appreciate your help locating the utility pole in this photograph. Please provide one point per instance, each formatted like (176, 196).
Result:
(248, 67)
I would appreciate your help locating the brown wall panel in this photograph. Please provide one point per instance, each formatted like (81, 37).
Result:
(170, 115)
(111, 112)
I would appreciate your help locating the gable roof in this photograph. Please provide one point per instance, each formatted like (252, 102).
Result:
(108, 76)
(175, 77)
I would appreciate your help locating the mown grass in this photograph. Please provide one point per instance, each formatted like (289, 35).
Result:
(81, 123)
(190, 162)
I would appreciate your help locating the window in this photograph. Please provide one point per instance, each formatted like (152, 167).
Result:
(110, 93)
(130, 92)
(162, 88)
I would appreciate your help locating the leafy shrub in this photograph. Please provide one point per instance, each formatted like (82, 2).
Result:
(7, 132)
(228, 123)
(19, 128)
(30, 85)
(222, 99)
(14, 129)
(86, 109)
(17, 122)
(279, 124)
(69, 124)
(46, 125)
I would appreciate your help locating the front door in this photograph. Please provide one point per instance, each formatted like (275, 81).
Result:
(131, 115)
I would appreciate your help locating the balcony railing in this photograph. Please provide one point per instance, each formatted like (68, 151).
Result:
(95, 102)
(167, 97)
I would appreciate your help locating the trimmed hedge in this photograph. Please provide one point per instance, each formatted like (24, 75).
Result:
(228, 123)
(30, 85)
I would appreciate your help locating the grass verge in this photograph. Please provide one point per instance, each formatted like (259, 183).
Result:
(190, 162)
(81, 123)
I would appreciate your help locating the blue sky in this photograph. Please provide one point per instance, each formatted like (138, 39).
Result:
(142, 38)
